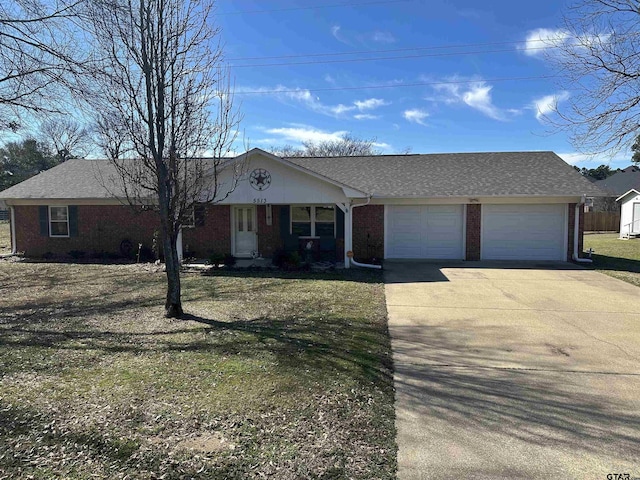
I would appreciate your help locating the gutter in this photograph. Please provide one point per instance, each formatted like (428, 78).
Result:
(576, 233)
(12, 213)
(350, 253)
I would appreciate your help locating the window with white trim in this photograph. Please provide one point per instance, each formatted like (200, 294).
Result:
(313, 221)
(189, 217)
(59, 221)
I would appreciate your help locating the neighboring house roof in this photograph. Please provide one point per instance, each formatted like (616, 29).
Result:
(430, 175)
(456, 174)
(621, 182)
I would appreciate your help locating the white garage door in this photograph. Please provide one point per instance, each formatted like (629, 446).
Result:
(424, 231)
(523, 232)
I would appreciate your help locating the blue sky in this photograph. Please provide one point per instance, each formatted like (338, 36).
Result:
(480, 85)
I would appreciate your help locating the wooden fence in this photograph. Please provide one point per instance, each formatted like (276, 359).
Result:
(601, 222)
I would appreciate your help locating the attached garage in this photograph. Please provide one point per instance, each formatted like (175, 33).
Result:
(524, 232)
(424, 231)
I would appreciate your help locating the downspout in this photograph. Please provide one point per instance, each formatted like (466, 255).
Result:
(576, 233)
(353, 262)
(12, 213)
(179, 246)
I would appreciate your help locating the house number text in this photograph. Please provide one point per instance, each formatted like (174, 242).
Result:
(259, 200)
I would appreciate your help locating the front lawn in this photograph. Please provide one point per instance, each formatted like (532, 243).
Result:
(615, 257)
(276, 377)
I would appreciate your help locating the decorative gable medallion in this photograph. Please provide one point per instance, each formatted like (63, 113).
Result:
(260, 179)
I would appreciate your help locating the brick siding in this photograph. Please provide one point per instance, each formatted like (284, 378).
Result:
(269, 235)
(474, 215)
(101, 228)
(368, 231)
(212, 237)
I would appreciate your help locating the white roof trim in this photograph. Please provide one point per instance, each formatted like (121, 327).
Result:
(627, 193)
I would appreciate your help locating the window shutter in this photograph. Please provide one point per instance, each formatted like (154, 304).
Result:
(44, 220)
(199, 212)
(284, 221)
(339, 223)
(73, 221)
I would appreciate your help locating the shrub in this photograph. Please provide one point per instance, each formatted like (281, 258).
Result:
(215, 259)
(229, 260)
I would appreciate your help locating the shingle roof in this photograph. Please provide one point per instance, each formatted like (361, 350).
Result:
(77, 178)
(430, 175)
(456, 174)
(621, 182)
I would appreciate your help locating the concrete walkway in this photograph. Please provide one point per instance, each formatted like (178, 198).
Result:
(529, 372)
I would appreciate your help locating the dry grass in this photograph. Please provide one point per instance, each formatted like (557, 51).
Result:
(5, 237)
(614, 257)
(280, 377)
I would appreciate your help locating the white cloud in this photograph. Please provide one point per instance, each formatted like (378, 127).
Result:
(479, 97)
(415, 115)
(335, 32)
(381, 145)
(619, 160)
(541, 39)
(366, 116)
(476, 95)
(370, 104)
(301, 133)
(383, 37)
(573, 158)
(548, 104)
(313, 102)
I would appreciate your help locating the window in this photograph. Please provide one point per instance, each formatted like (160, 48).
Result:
(189, 217)
(59, 221)
(310, 221)
(301, 221)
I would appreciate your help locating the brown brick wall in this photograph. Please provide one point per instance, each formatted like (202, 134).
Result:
(368, 231)
(101, 228)
(212, 237)
(268, 235)
(474, 213)
(572, 216)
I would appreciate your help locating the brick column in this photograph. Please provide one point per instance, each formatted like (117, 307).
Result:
(474, 212)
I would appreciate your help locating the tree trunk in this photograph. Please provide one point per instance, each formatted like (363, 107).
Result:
(173, 305)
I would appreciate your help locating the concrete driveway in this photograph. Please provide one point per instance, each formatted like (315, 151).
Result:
(514, 372)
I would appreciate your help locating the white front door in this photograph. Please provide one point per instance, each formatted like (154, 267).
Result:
(245, 238)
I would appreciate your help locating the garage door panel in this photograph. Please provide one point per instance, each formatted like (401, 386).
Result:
(424, 231)
(523, 232)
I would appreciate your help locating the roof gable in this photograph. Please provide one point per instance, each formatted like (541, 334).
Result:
(632, 192)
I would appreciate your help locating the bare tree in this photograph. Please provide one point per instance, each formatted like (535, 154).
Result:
(346, 146)
(38, 55)
(66, 137)
(161, 82)
(596, 54)
(111, 135)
